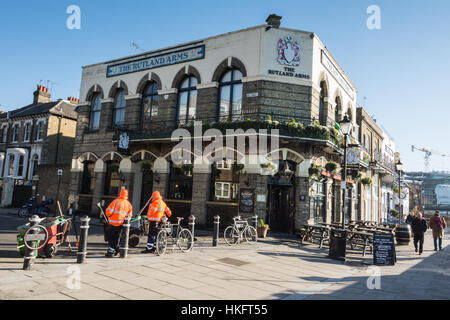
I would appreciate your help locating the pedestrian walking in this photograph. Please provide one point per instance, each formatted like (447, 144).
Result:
(419, 227)
(437, 224)
(156, 211)
(410, 217)
(117, 212)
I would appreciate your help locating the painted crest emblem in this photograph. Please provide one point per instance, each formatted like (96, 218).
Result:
(288, 51)
(123, 141)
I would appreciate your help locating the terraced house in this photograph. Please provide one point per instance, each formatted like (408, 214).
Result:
(261, 77)
(35, 142)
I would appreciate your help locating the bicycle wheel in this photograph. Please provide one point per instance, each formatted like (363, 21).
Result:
(185, 240)
(250, 234)
(161, 242)
(231, 235)
(23, 212)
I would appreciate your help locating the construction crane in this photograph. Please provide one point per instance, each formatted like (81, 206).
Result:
(428, 152)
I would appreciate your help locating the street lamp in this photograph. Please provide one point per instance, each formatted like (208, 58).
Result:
(346, 127)
(399, 168)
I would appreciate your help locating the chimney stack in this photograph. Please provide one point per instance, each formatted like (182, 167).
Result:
(274, 21)
(73, 100)
(41, 95)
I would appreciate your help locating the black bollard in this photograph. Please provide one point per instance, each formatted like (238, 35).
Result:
(255, 225)
(30, 254)
(126, 237)
(192, 226)
(215, 241)
(82, 245)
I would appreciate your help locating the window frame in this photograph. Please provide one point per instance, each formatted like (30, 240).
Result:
(150, 96)
(222, 189)
(40, 126)
(15, 133)
(231, 84)
(28, 129)
(92, 112)
(189, 91)
(116, 108)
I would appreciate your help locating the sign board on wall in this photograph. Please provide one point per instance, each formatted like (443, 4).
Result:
(157, 61)
(329, 65)
(246, 200)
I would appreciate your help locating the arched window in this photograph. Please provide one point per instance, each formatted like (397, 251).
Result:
(150, 103)
(230, 102)
(40, 130)
(88, 178)
(112, 179)
(96, 108)
(322, 107)
(119, 109)
(338, 110)
(187, 100)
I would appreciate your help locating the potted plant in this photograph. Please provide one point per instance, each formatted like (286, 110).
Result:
(187, 168)
(146, 166)
(237, 168)
(366, 181)
(313, 170)
(262, 229)
(331, 166)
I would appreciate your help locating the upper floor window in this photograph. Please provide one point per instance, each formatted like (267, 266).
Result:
(96, 108)
(20, 167)
(338, 110)
(187, 100)
(40, 130)
(27, 133)
(11, 159)
(230, 103)
(4, 134)
(150, 103)
(15, 132)
(33, 165)
(119, 109)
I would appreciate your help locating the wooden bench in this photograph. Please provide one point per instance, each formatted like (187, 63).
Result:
(314, 232)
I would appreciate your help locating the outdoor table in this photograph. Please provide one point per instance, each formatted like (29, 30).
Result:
(321, 233)
(365, 239)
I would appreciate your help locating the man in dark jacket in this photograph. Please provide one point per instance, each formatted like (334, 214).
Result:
(419, 227)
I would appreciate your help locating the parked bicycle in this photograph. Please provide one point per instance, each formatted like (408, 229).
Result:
(174, 235)
(42, 210)
(239, 231)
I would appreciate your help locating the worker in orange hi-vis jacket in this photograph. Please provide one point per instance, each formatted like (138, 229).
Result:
(117, 212)
(156, 211)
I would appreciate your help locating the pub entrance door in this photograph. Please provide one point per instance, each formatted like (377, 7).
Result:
(281, 202)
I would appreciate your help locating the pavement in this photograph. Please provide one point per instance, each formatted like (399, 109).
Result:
(277, 267)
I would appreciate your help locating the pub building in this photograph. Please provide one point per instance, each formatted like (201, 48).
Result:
(264, 76)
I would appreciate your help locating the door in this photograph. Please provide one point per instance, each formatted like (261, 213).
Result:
(147, 188)
(282, 208)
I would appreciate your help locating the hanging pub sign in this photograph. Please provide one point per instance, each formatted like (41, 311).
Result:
(124, 141)
(353, 158)
(384, 249)
(246, 200)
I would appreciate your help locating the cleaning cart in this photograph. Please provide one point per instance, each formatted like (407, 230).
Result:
(52, 233)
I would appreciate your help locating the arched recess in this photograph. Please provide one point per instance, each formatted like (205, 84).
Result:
(142, 155)
(95, 89)
(88, 156)
(112, 156)
(323, 101)
(149, 77)
(189, 71)
(118, 85)
(227, 64)
(287, 154)
(349, 111)
(338, 108)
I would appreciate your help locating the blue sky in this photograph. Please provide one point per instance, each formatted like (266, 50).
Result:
(400, 69)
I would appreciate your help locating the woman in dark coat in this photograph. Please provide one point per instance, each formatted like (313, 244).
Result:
(419, 227)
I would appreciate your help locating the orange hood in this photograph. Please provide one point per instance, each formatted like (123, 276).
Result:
(156, 195)
(124, 194)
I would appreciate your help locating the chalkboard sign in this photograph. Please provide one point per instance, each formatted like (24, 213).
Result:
(246, 200)
(384, 249)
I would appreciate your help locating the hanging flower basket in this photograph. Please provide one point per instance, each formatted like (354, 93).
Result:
(146, 166)
(331, 166)
(187, 168)
(237, 168)
(366, 181)
(313, 171)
